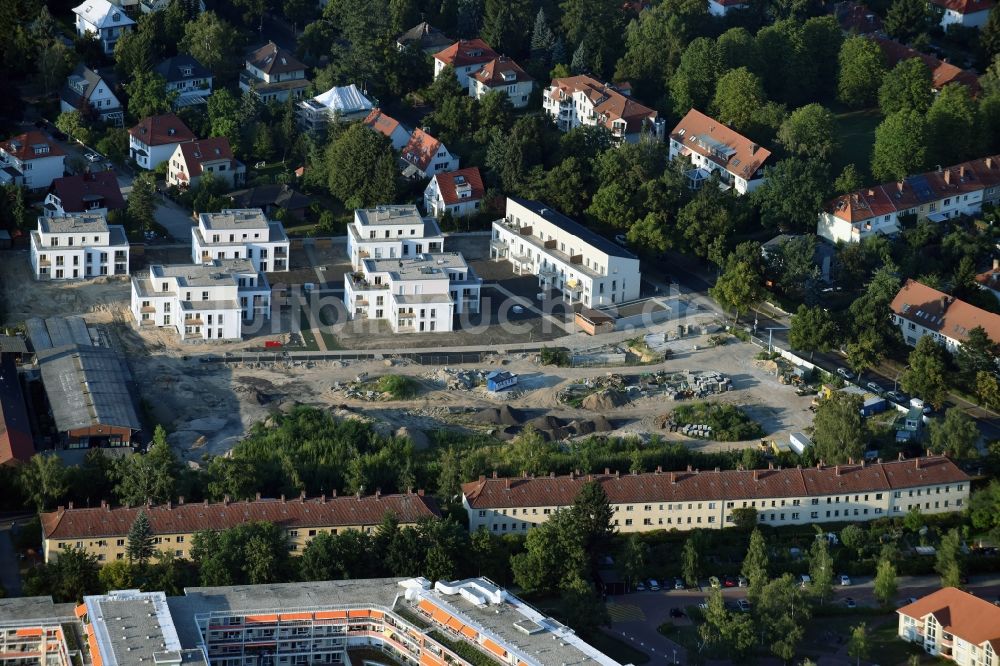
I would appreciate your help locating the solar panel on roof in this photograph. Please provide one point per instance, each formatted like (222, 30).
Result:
(921, 188)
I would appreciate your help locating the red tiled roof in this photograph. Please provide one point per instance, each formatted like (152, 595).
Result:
(421, 149)
(466, 52)
(965, 6)
(705, 135)
(942, 73)
(76, 192)
(21, 146)
(494, 72)
(447, 184)
(16, 443)
(186, 518)
(937, 311)
(205, 150)
(709, 485)
(608, 102)
(162, 130)
(961, 614)
(381, 123)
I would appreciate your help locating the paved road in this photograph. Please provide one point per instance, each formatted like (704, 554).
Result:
(176, 220)
(10, 576)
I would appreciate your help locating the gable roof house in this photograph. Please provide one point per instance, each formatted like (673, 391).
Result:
(457, 192)
(715, 148)
(505, 75)
(104, 21)
(920, 310)
(942, 72)
(31, 160)
(274, 74)
(389, 127)
(465, 56)
(271, 198)
(191, 160)
(188, 78)
(581, 100)
(424, 156)
(86, 90)
(84, 193)
(953, 624)
(154, 139)
(965, 13)
(425, 37)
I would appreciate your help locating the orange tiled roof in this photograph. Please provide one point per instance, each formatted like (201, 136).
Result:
(609, 102)
(724, 146)
(961, 614)
(493, 73)
(944, 314)
(205, 150)
(447, 185)
(161, 130)
(965, 6)
(381, 123)
(466, 52)
(421, 149)
(942, 73)
(709, 485)
(21, 146)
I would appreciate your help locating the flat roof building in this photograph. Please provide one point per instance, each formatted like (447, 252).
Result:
(390, 231)
(241, 233)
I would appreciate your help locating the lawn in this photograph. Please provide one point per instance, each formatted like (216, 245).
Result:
(856, 133)
(308, 339)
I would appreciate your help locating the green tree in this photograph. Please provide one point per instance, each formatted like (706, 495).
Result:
(74, 574)
(859, 646)
(739, 95)
(989, 36)
(810, 131)
(813, 330)
(861, 70)
(542, 38)
(506, 24)
(822, 39)
(137, 50)
(738, 289)
(913, 520)
(948, 562)
(54, 63)
(984, 508)
(73, 124)
(211, 41)
(855, 538)
(906, 87)
(691, 560)
(140, 546)
(252, 553)
(952, 127)
(792, 195)
(148, 477)
(955, 435)
(848, 181)
(885, 581)
(838, 429)
(782, 614)
(634, 558)
(114, 144)
(598, 22)
(907, 19)
(361, 167)
(821, 567)
(987, 389)
(142, 202)
(900, 146)
(692, 84)
(735, 630)
(117, 575)
(926, 375)
(755, 565)
(592, 519)
(43, 480)
(977, 354)
(147, 95)
(553, 555)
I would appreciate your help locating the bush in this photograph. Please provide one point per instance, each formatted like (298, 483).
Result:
(398, 387)
(728, 423)
(557, 357)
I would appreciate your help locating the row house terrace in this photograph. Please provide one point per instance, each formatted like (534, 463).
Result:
(391, 231)
(78, 245)
(581, 100)
(241, 234)
(936, 196)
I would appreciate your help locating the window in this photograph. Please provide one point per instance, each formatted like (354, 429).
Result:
(628, 521)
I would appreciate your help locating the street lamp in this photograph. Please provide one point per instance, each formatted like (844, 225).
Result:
(770, 334)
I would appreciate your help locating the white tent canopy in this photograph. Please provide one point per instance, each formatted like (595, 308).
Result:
(344, 100)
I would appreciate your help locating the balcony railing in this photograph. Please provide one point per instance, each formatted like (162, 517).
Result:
(147, 308)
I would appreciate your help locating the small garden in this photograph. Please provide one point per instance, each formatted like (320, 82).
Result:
(728, 423)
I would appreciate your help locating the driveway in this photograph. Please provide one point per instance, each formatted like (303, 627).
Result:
(175, 220)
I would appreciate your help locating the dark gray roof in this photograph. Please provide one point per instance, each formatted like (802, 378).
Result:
(23, 609)
(171, 69)
(57, 332)
(269, 195)
(13, 344)
(87, 79)
(593, 239)
(425, 36)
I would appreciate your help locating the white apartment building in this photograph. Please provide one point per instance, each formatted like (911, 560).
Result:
(955, 625)
(714, 148)
(466, 57)
(390, 232)
(155, 138)
(920, 310)
(581, 100)
(78, 245)
(505, 75)
(420, 294)
(104, 21)
(202, 302)
(936, 196)
(566, 256)
(965, 13)
(243, 233)
(31, 160)
(707, 499)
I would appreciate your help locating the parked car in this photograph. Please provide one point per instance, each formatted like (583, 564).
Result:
(676, 612)
(850, 603)
(729, 581)
(92, 157)
(640, 587)
(897, 396)
(714, 582)
(742, 581)
(805, 580)
(653, 585)
(679, 584)
(517, 309)
(621, 239)
(743, 605)
(845, 373)
(845, 580)
(874, 388)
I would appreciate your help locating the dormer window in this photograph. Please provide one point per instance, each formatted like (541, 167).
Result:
(116, 17)
(186, 71)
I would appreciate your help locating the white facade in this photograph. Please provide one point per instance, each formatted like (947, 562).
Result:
(202, 302)
(716, 8)
(78, 246)
(420, 294)
(390, 232)
(33, 166)
(954, 625)
(969, 20)
(584, 267)
(838, 230)
(240, 234)
(580, 100)
(518, 92)
(149, 157)
(105, 21)
(467, 201)
(98, 97)
(704, 167)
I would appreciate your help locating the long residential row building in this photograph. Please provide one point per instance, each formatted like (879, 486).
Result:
(324, 622)
(709, 499)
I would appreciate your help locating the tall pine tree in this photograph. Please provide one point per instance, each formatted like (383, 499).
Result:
(140, 540)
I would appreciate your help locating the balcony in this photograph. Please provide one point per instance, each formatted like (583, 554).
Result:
(525, 230)
(195, 321)
(359, 283)
(406, 315)
(147, 308)
(147, 323)
(280, 253)
(44, 262)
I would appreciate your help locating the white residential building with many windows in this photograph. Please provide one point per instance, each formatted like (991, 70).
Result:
(420, 294)
(104, 22)
(31, 160)
(953, 624)
(714, 148)
(390, 232)
(581, 100)
(78, 245)
(920, 310)
(243, 233)
(568, 258)
(201, 302)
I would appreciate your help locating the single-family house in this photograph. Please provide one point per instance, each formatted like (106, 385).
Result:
(909, 425)
(104, 22)
(723, 7)
(580, 100)
(920, 310)
(272, 198)
(87, 91)
(342, 104)
(714, 148)
(274, 74)
(465, 56)
(155, 138)
(97, 193)
(192, 159)
(459, 193)
(188, 78)
(389, 127)
(990, 279)
(964, 13)
(425, 37)
(856, 19)
(505, 75)
(424, 156)
(953, 624)
(31, 160)
(942, 73)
